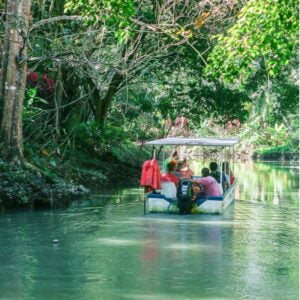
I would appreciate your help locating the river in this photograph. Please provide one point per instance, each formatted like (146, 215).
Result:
(109, 250)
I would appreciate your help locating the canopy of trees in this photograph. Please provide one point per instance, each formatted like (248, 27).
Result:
(93, 74)
(266, 32)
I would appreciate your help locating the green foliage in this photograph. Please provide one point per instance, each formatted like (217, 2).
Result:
(154, 75)
(220, 103)
(31, 98)
(265, 29)
(91, 136)
(201, 100)
(275, 150)
(88, 175)
(285, 94)
(113, 13)
(20, 187)
(272, 136)
(113, 140)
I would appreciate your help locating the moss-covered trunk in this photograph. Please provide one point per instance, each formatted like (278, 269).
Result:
(13, 79)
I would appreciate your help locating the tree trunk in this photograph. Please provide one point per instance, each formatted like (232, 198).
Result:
(13, 79)
(57, 100)
(102, 106)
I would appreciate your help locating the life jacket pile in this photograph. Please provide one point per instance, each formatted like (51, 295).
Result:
(151, 176)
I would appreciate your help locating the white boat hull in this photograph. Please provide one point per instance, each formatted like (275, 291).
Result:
(211, 205)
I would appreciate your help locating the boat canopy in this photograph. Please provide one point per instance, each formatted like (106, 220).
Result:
(209, 141)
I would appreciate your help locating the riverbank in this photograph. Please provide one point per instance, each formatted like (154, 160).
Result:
(52, 180)
(22, 187)
(283, 152)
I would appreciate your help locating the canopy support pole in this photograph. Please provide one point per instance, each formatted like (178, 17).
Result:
(233, 160)
(145, 201)
(163, 159)
(221, 179)
(153, 153)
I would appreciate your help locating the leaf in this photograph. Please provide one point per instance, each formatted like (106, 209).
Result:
(45, 152)
(259, 32)
(41, 100)
(32, 92)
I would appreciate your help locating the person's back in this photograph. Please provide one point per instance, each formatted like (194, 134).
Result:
(216, 175)
(178, 167)
(169, 177)
(177, 173)
(186, 171)
(213, 166)
(210, 184)
(214, 171)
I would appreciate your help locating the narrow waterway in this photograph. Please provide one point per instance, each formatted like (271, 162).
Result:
(109, 250)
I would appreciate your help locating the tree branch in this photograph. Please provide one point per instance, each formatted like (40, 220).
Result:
(53, 20)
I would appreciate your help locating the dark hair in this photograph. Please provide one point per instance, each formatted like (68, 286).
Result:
(205, 172)
(175, 153)
(180, 164)
(171, 165)
(213, 166)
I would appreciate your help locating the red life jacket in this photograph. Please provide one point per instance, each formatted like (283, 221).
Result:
(151, 175)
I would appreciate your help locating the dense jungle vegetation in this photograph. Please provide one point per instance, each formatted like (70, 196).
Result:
(84, 83)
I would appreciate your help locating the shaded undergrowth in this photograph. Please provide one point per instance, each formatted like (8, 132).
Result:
(52, 180)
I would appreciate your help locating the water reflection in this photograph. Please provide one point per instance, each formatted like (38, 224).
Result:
(275, 183)
(109, 250)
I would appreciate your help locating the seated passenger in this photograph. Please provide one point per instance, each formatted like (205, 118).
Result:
(227, 172)
(169, 177)
(217, 175)
(186, 171)
(177, 172)
(174, 158)
(209, 183)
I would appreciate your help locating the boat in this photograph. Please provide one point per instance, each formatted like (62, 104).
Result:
(166, 199)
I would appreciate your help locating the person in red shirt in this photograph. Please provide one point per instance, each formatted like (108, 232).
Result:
(169, 177)
(185, 170)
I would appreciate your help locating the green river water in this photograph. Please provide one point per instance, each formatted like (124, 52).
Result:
(109, 250)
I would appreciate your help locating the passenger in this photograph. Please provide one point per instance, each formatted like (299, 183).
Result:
(169, 177)
(209, 183)
(225, 170)
(178, 167)
(228, 173)
(217, 175)
(186, 171)
(198, 191)
(174, 157)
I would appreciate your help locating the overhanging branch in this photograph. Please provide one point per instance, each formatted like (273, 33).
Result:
(53, 20)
